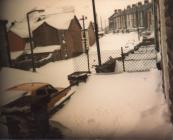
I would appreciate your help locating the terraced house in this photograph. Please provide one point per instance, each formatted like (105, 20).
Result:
(134, 17)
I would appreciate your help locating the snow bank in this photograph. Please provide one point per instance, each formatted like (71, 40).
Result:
(44, 49)
(15, 54)
(57, 72)
(116, 106)
(53, 73)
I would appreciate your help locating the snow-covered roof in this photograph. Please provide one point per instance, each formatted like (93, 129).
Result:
(21, 28)
(56, 20)
(60, 21)
(44, 49)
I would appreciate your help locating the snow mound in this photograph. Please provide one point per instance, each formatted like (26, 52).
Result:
(128, 105)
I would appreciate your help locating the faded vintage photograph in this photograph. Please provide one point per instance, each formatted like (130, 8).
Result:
(86, 69)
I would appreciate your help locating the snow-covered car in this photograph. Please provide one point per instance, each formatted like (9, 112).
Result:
(36, 89)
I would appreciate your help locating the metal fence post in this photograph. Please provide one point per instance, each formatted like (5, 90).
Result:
(122, 56)
(96, 33)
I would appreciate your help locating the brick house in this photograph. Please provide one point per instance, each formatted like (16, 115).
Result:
(61, 29)
(55, 37)
(133, 17)
(65, 33)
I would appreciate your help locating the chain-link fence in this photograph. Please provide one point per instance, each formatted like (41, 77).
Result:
(143, 58)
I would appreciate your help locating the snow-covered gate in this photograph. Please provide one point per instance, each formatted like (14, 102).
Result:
(141, 59)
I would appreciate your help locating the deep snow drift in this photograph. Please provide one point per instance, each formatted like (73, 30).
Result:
(127, 105)
(113, 105)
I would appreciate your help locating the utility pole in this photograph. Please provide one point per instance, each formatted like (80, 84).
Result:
(84, 39)
(105, 27)
(101, 23)
(96, 33)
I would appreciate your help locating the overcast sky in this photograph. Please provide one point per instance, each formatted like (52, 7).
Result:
(17, 9)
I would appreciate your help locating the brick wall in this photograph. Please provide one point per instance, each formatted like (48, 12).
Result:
(91, 34)
(75, 32)
(16, 43)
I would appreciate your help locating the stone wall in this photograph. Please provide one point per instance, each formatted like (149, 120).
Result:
(169, 33)
(166, 46)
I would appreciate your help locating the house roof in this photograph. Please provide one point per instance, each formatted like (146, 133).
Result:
(57, 20)
(21, 28)
(60, 21)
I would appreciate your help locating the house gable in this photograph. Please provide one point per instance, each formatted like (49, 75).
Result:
(91, 34)
(74, 24)
(46, 35)
(75, 32)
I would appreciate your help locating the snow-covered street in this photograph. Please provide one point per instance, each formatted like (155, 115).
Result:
(114, 42)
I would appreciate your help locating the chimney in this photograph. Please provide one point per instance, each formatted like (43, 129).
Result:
(139, 3)
(134, 5)
(146, 2)
(119, 10)
(128, 7)
(115, 11)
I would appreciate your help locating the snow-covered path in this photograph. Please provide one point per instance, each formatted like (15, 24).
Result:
(124, 105)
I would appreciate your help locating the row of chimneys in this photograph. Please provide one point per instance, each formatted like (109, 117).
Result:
(133, 6)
